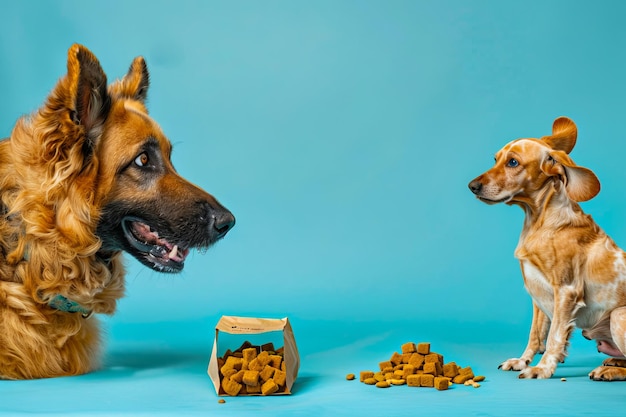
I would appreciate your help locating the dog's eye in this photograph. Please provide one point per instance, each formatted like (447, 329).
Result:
(142, 160)
(512, 163)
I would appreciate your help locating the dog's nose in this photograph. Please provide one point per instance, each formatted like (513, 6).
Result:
(223, 221)
(475, 186)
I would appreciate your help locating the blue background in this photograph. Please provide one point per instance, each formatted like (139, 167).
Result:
(342, 135)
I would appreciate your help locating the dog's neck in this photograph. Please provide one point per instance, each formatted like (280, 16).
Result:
(62, 303)
(549, 206)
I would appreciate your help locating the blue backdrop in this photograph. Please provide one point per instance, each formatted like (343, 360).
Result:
(342, 135)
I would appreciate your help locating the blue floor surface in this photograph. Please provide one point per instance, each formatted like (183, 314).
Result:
(160, 370)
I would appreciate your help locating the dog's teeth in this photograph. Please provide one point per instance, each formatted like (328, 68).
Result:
(174, 251)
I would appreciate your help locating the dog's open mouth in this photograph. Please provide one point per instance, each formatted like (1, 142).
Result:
(164, 255)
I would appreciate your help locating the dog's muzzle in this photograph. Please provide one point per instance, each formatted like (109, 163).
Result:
(166, 253)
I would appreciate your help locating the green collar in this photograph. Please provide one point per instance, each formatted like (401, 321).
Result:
(61, 303)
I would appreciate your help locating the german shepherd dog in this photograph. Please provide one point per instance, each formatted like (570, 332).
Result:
(83, 179)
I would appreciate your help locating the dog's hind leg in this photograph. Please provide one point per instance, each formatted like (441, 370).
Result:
(613, 369)
(539, 329)
(618, 328)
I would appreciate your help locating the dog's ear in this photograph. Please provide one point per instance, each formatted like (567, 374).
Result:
(87, 84)
(581, 184)
(134, 85)
(564, 133)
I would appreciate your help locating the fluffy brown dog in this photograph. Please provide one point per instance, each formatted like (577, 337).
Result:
(574, 272)
(84, 178)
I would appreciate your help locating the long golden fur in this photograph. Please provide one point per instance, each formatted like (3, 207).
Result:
(574, 272)
(84, 178)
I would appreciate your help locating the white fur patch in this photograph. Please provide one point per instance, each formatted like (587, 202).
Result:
(538, 287)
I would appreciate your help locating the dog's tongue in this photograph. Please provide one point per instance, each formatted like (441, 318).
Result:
(142, 231)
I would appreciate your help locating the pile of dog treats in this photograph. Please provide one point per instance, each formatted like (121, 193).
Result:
(417, 366)
(252, 370)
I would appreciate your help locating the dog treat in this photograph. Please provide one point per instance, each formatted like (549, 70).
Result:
(253, 370)
(418, 366)
(252, 389)
(396, 359)
(238, 377)
(441, 383)
(433, 368)
(232, 362)
(417, 360)
(231, 387)
(366, 375)
(267, 373)
(221, 401)
(275, 361)
(465, 374)
(423, 348)
(450, 370)
(229, 372)
(350, 377)
(280, 377)
(269, 387)
(414, 380)
(249, 354)
(384, 365)
(472, 383)
(268, 347)
(409, 348)
(408, 370)
(427, 380)
(433, 357)
(250, 378)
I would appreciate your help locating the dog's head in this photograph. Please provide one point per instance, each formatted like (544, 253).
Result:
(525, 167)
(112, 162)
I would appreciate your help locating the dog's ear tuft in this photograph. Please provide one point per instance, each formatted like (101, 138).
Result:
(581, 184)
(564, 133)
(88, 87)
(134, 85)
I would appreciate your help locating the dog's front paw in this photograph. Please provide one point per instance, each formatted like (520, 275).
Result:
(513, 364)
(537, 372)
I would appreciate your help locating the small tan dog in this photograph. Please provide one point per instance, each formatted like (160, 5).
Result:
(574, 272)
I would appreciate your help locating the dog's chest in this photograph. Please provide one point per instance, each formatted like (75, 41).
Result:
(538, 287)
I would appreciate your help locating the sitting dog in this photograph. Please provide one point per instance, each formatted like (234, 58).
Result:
(83, 179)
(575, 273)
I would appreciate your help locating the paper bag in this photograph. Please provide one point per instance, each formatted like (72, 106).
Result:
(253, 326)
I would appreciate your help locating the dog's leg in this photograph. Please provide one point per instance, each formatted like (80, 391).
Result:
(536, 342)
(614, 369)
(618, 328)
(567, 301)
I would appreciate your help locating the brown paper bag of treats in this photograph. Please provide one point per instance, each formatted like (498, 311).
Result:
(247, 368)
